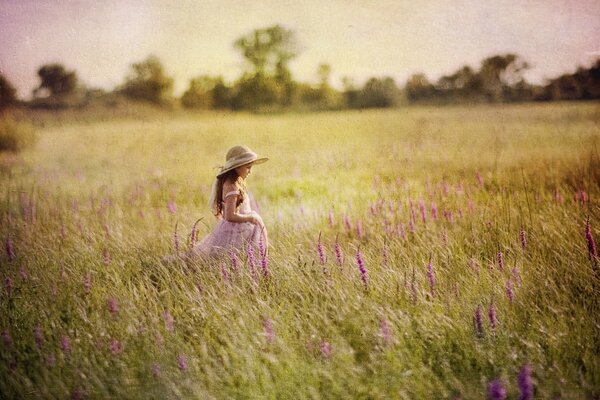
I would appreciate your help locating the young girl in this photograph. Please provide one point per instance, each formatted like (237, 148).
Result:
(237, 226)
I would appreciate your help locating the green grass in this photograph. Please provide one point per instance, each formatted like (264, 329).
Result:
(89, 204)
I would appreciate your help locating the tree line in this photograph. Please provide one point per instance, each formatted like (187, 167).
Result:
(267, 84)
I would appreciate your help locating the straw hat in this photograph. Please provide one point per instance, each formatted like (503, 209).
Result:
(238, 156)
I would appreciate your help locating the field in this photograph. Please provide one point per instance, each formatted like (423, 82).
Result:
(418, 253)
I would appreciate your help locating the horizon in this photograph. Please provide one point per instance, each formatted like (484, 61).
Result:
(554, 37)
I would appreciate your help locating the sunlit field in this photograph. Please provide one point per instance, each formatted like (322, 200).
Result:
(418, 253)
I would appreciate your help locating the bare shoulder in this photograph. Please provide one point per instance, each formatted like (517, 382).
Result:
(229, 187)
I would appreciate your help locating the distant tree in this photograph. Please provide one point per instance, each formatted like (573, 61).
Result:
(148, 82)
(56, 81)
(584, 84)
(351, 94)
(200, 92)
(255, 92)
(269, 52)
(499, 73)
(462, 86)
(378, 93)
(7, 93)
(418, 88)
(221, 95)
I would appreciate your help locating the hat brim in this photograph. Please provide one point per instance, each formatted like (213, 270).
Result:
(257, 161)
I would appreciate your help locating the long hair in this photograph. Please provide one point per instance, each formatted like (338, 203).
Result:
(216, 198)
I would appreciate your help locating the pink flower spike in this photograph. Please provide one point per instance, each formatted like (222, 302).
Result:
(321, 251)
(182, 362)
(113, 307)
(171, 206)
(361, 268)
(169, 321)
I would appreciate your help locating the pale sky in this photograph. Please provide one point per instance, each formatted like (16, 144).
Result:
(359, 39)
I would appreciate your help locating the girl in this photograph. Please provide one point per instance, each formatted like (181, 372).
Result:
(237, 226)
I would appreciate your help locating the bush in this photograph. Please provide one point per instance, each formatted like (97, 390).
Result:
(15, 136)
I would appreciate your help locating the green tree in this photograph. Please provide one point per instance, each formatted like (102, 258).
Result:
(56, 81)
(379, 93)
(7, 93)
(200, 92)
(418, 88)
(499, 74)
(268, 51)
(148, 82)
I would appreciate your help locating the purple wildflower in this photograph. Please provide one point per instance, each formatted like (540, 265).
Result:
(331, 218)
(411, 226)
(194, 233)
(321, 251)
(516, 276)
(77, 394)
(65, 344)
(445, 188)
(509, 291)
(261, 247)
(496, 390)
(51, 359)
(155, 370)
(470, 205)
(225, 272)
(234, 260)
(359, 230)
(339, 257)
(411, 207)
(592, 250)
(87, 282)
(413, 287)
(422, 211)
(500, 259)
(176, 239)
(479, 179)
(39, 339)
(525, 383)
(431, 278)
(171, 206)
(385, 255)
(269, 333)
(434, 211)
(182, 362)
(492, 316)
(6, 338)
(325, 348)
(113, 306)
(251, 259)
(347, 223)
(386, 333)
(523, 239)
(478, 321)
(23, 274)
(10, 251)
(107, 230)
(264, 263)
(106, 256)
(400, 231)
(361, 267)
(558, 197)
(115, 347)
(169, 321)
(8, 285)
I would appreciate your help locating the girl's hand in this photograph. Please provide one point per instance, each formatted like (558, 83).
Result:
(256, 219)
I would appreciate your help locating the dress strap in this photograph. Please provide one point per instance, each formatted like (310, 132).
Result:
(236, 192)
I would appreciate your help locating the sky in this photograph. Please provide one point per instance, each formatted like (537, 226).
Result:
(359, 39)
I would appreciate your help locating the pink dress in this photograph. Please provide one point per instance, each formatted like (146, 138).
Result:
(228, 236)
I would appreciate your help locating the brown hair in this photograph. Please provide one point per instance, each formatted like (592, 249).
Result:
(231, 176)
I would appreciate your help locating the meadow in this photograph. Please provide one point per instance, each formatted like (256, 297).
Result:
(416, 253)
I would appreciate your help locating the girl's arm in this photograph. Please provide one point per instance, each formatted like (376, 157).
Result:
(229, 209)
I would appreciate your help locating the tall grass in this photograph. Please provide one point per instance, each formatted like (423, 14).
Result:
(416, 253)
